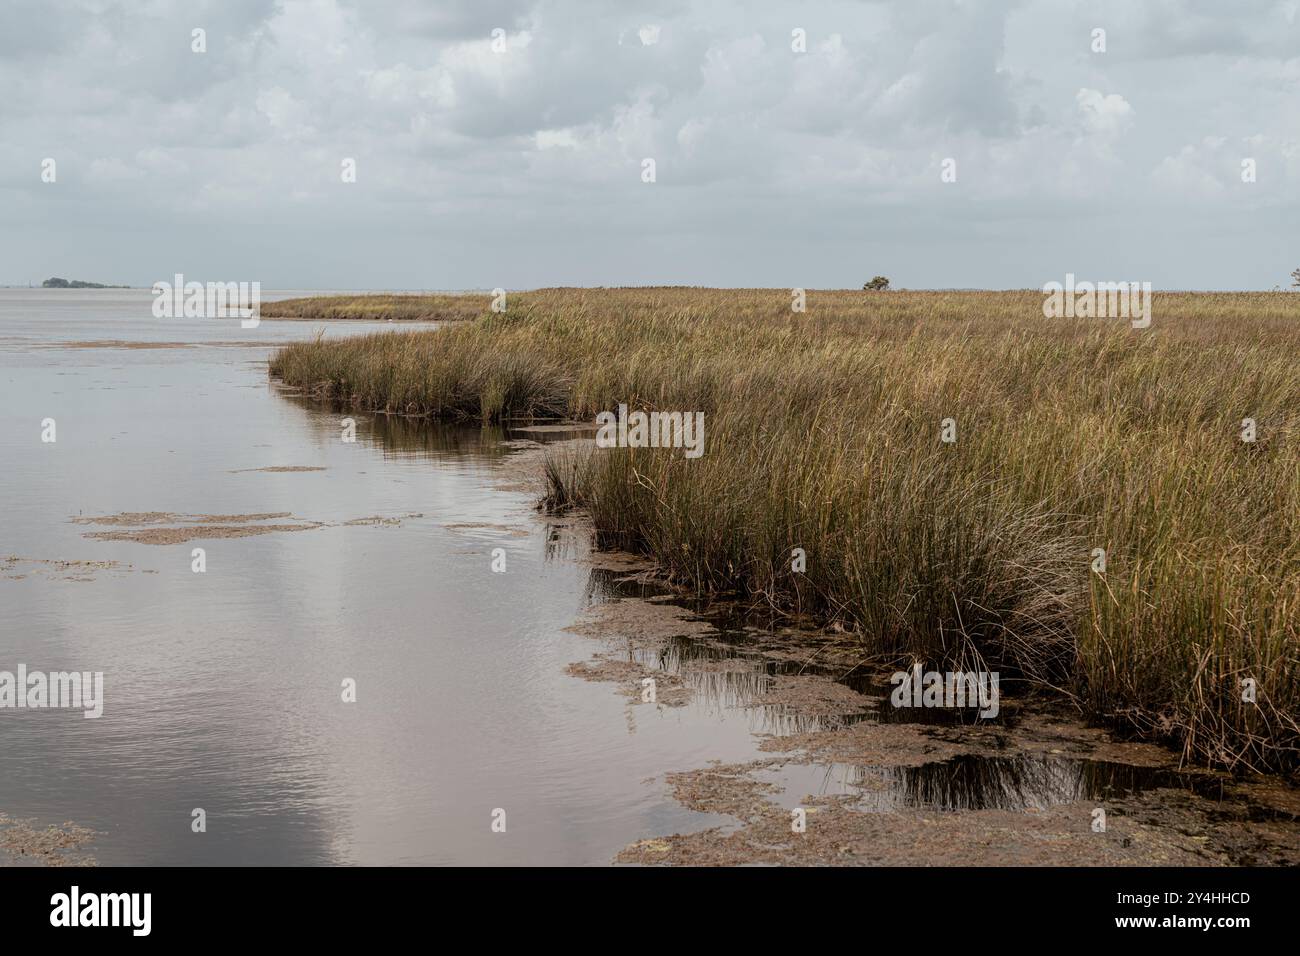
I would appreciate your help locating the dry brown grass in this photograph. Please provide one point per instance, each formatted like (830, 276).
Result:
(823, 432)
(379, 308)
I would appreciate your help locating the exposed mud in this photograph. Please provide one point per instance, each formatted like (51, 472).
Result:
(278, 469)
(813, 696)
(137, 518)
(622, 562)
(23, 843)
(16, 568)
(926, 805)
(644, 625)
(668, 690)
(480, 527)
(835, 833)
(884, 786)
(145, 527)
(195, 533)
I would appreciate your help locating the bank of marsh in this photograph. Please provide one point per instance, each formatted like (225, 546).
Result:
(1073, 437)
(410, 307)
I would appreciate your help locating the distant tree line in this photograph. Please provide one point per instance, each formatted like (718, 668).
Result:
(56, 283)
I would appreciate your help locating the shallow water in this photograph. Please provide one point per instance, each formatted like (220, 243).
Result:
(223, 688)
(1016, 782)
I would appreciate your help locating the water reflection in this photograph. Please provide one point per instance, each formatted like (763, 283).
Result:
(728, 681)
(401, 436)
(223, 688)
(1020, 782)
(748, 675)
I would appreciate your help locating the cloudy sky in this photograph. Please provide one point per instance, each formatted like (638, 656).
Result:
(520, 163)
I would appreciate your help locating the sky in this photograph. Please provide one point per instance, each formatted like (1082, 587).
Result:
(940, 143)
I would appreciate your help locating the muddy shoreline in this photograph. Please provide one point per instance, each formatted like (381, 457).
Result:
(879, 790)
(881, 786)
(870, 785)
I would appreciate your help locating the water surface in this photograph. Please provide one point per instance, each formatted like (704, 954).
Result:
(223, 689)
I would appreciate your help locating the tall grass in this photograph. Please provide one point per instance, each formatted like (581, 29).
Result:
(397, 308)
(822, 432)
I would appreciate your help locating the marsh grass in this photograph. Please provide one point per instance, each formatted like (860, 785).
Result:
(822, 431)
(397, 308)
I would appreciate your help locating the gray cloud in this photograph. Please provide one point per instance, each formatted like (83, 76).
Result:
(479, 168)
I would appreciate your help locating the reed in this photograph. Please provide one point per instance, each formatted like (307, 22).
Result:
(823, 433)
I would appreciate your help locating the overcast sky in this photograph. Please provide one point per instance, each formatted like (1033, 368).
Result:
(523, 166)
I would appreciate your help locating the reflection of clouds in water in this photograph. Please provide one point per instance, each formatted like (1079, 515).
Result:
(225, 686)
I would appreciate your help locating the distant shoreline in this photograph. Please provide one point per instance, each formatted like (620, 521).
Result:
(55, 282)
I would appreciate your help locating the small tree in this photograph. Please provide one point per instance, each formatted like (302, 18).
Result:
(1296, 279)
(880, 284)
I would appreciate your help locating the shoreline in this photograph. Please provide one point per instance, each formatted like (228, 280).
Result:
(1021, 790)
(416, 307)
(1028, 602)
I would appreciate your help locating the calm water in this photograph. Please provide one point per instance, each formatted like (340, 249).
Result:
(223, 688)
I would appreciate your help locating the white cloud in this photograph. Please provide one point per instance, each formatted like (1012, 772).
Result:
(1190, 174)
(1107, 114)
(284, 112)
(556, 139)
